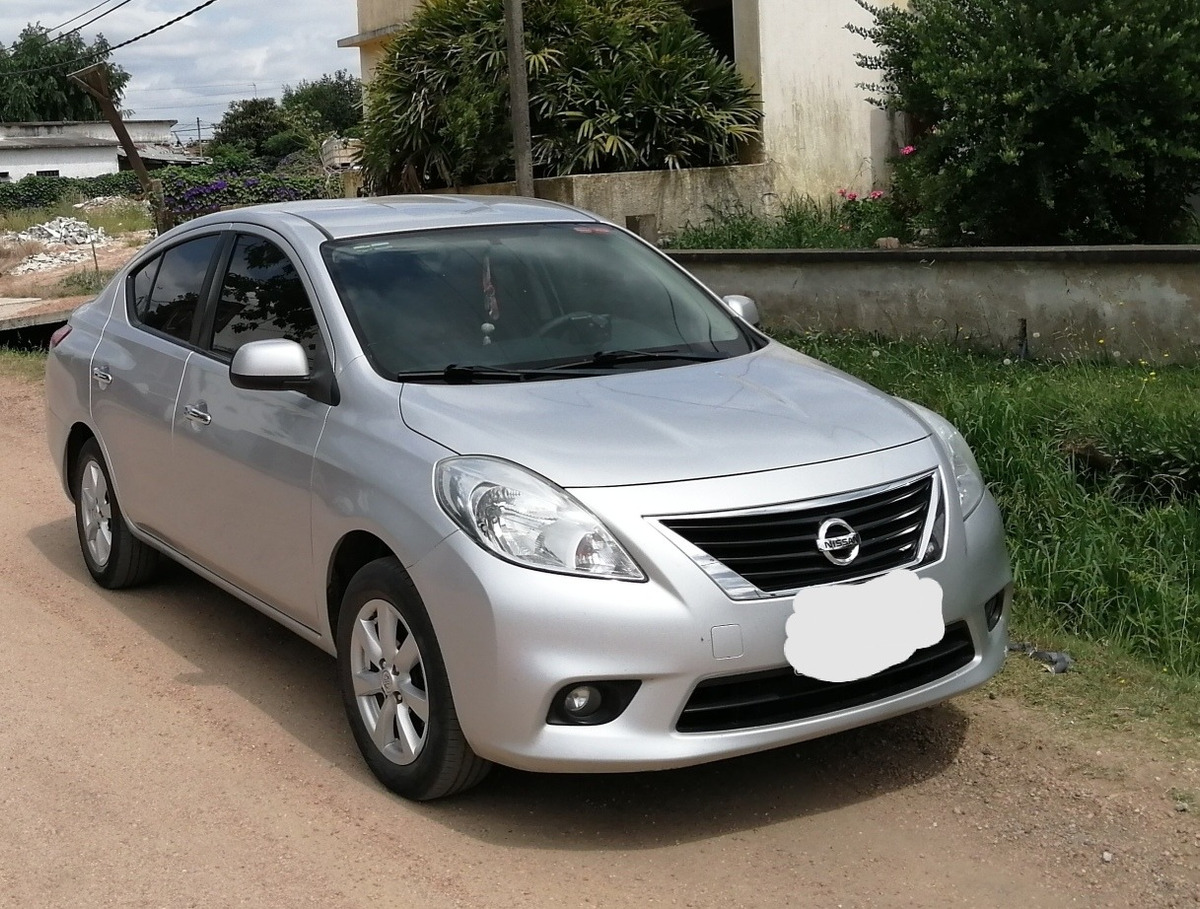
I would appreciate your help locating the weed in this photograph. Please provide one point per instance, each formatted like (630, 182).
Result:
(24, 364)
(846, 223)
(85, 281)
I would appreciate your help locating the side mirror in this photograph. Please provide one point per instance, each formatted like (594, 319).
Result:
(744, 308)
(272, 365)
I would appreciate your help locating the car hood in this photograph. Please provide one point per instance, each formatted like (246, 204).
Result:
(771, 409)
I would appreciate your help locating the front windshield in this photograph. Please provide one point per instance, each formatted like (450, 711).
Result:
(525, 297)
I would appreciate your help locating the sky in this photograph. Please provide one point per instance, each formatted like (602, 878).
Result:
(233, 49)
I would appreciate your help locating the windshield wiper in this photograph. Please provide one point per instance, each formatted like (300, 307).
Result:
(468, 375)
(606, 359)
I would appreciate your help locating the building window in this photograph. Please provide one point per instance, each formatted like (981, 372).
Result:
(47, 173)
(5, 176)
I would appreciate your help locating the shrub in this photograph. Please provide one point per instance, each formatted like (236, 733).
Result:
(1036, 122)
(851, 222)
(189, 192)
(615, 85)
(44, 192)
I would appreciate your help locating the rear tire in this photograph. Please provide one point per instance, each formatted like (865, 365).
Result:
(395, 688)
(115, 558)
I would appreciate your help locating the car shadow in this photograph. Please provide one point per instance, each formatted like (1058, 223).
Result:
(295, 685)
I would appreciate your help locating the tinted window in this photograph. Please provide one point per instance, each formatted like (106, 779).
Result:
(174, 293)
(263, 297)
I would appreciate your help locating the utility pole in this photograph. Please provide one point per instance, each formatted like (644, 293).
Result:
(518, 95)
(94, 80)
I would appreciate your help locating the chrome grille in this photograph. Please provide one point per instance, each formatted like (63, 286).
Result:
(773, 552)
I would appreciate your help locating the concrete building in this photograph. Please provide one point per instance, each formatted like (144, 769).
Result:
(56, 156)
(820, 133)
(84, 148)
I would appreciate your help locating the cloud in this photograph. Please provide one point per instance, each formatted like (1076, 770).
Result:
(231, 50)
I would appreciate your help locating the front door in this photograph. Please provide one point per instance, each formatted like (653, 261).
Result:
(245, 457)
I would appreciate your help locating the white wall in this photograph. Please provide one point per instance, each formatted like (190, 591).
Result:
(819, 130)
(69, 162)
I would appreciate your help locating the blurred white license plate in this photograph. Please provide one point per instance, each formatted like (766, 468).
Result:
(844, 632)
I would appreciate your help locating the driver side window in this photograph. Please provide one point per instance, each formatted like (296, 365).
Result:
(262, 297)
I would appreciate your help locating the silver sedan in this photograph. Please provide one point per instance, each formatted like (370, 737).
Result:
(549, 501)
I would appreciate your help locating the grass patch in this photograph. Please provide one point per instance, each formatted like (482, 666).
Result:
(85, 281)
(29, 365)
(1107, 688)
(116, 218)
(1107, 551)
(843, 223)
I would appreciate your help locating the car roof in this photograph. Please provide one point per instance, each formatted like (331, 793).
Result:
(341, 218)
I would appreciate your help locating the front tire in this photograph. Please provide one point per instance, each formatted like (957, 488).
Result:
(115, 558)
(396, 691)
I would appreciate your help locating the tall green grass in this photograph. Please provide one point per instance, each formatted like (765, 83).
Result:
(116, 218)
(1095, 467)
(840, 223)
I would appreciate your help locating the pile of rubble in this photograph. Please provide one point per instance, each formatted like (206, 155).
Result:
(101, 202)
(47, 261)
(70, 231)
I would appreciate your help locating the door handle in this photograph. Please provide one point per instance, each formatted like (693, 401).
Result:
(102, 377)
(197, 414)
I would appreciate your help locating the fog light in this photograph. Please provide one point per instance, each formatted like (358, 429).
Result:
(993, 610)
(591, 703)
(582, 701)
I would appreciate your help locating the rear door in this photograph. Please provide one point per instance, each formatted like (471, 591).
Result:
(136, 374)
(247, 456)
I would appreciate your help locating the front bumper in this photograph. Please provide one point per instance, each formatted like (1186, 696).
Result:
(513, 637)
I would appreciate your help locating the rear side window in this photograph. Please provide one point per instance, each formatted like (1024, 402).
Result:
(166, 291)
(263, 297)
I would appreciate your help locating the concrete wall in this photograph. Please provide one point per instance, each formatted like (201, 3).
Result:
(1094, 302)
(819, 130)
(672, 197)
(69, 162)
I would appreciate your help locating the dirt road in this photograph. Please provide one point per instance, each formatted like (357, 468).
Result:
(170, 747)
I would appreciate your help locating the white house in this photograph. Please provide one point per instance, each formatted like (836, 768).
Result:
(56, 156)
(83, 148)
(820, 132)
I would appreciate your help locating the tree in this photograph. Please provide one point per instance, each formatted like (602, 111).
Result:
(250, 124)
(335, 101)
(33, 77)
(614, 85)
(1038, 122)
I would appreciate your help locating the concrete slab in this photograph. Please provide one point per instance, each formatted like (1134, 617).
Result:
(25, 312)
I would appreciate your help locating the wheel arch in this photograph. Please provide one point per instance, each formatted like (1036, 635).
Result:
(80, 433)
(354, 550)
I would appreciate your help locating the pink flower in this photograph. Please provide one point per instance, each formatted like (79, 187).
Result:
(851, 197)
(842, 193)
(908, 150)
(876, 195)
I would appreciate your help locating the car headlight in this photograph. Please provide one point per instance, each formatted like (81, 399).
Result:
(966, 471)
(521, 517)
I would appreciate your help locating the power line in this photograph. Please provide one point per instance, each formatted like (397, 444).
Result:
(92, 56)
(80, 16)
(76, 30)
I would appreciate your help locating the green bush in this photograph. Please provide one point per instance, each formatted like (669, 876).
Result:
(44, 192)
(615, 85)
(1044, 123)
(851, 222)
(189, 192)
